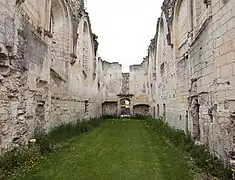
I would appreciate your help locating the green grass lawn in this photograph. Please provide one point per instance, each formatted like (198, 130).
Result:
(118, 150)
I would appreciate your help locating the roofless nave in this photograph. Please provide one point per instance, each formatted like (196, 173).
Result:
(50, 71)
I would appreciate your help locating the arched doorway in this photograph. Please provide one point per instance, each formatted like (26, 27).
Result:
(125, 107)
(109, 108)
(141, 110)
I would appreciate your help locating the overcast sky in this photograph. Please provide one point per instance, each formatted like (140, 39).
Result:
(124, 28)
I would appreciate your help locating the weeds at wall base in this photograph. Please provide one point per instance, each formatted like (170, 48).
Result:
(62, 135)
(45, 143)
(200, 154)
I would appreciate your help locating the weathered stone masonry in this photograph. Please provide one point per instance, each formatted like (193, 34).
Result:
(193, 53)
(50, 72)
(47, 68)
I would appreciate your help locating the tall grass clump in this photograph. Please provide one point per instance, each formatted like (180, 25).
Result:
(200, 154)
(64, 133)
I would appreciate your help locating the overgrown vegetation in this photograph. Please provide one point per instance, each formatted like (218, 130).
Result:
(169, 147)
(200, 154)
(45, 143)
(119, 149)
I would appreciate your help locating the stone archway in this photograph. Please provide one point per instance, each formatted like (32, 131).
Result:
(125, 107)
(109, 108)
(141, 110)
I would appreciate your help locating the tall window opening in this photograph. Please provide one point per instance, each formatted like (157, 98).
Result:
(85, 46)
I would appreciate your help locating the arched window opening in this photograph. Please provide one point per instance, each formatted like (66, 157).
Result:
(182, 22)
(61, 41)
(182, 28)
(85, 29)
(200, 13)
(85, 46)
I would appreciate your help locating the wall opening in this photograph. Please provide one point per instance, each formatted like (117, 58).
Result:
(186, 122)
(195, 119)
(164, 112)
(125, 107)
(158, 110)
(154, 112)
(85, 46)
(182, 22)
(144, 88)
(40, 111)
(98, 85)
(86, 105)
(59, 27)
(141, 110)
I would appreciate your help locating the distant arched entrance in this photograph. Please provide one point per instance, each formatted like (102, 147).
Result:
(125, 107)
(141, 110)
(109, 108)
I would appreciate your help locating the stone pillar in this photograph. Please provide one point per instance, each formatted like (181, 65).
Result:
(131, 108)
(118, 108)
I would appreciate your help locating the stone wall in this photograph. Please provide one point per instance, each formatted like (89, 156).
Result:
(51, 74)
(112, 79)
(44, 82)
(194, 54)
(138, 79)
(139, 83)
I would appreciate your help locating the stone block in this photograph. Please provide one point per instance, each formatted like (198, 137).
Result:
(221, 61)
(231, 23)
(219, 41)
(226, 17)
(227, 70)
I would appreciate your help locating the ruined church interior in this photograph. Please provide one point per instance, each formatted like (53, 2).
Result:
(52, 76)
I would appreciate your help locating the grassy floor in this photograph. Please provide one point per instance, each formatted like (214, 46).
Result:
(119, 149)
